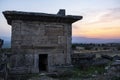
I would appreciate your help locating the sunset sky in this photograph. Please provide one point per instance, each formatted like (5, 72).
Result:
(101, 18)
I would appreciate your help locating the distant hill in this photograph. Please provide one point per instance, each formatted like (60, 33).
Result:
(7, 40)
(93, 40)
(7, 44)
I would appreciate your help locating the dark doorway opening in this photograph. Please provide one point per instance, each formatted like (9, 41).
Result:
(43, 62)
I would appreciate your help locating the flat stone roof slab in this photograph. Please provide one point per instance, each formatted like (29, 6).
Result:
(42, 17)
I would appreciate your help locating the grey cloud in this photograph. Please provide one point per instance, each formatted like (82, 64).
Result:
(114, 14)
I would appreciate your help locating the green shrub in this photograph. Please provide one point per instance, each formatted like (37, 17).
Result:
(115, 78)
(77, 72)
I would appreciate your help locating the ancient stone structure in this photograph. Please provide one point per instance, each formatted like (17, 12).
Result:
(82, 60)
(40, 41)
(114, 70)
(1, 43)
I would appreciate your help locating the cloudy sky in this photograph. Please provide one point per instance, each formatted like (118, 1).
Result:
(101, 18)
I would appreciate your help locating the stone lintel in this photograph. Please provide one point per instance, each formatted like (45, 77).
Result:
(60, 17)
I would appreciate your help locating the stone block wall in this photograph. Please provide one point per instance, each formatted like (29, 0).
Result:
(36, 38)
(38, 35)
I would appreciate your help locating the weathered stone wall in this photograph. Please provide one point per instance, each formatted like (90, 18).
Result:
(38, 34)
(82, 60)
(1, 43)
(31, 38)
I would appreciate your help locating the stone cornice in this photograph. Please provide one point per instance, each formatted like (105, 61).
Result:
(42, 17)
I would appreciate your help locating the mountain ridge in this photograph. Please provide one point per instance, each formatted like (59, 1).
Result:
(93, 40)
(75, 39)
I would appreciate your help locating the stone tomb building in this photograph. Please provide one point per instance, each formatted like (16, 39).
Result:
(40, 41)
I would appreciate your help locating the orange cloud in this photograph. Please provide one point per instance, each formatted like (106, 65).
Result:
(106, 25)
(104, 33)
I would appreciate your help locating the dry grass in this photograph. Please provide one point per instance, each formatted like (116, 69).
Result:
(98, 53)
